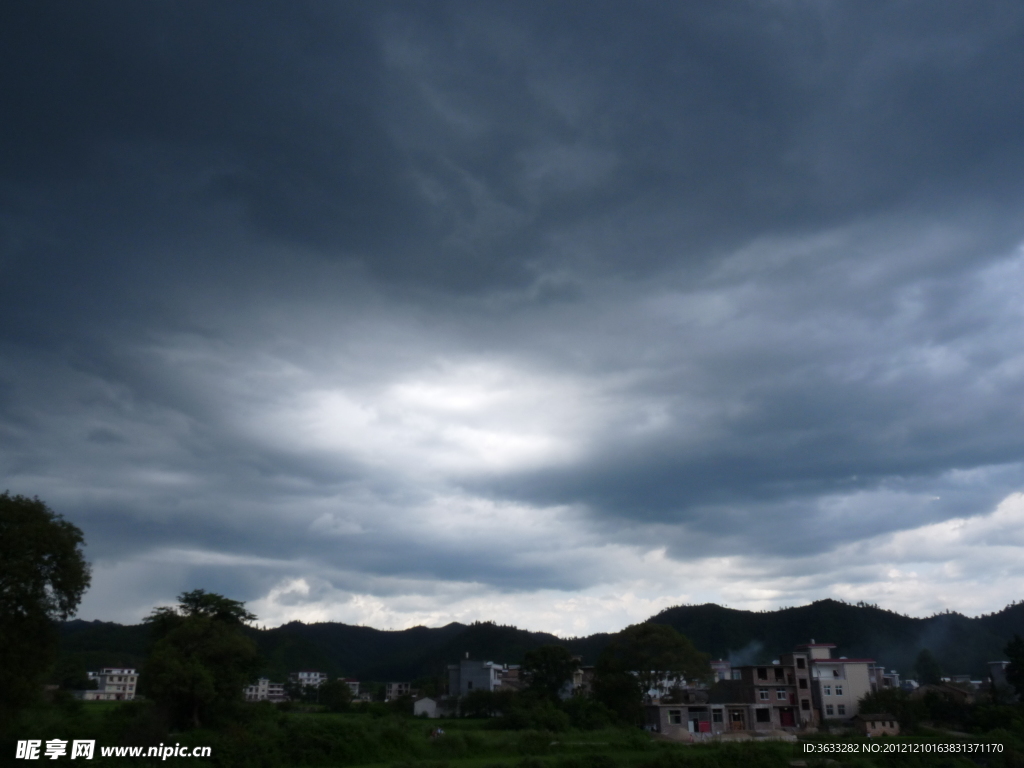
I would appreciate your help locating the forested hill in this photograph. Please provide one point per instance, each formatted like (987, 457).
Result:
(962, 645)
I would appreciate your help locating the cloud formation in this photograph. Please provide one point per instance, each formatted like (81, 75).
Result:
(547, 315)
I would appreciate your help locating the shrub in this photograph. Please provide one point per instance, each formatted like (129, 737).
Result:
(534, 742)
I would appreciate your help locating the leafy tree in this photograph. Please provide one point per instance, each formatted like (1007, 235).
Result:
(619, 690)
(201, 661)
(640, 658)
(70, 674)
(1015, 670)
(43, 576)
(336, 695)
(482, 703)
(548, 669)
(587, 714)
(927, 668)
(909, 711)
(655, 653)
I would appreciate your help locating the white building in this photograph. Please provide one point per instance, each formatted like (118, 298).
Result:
(880, 679)
(308, 678)
(837, 684)
(425, 707)
(112, 684)
(264, 690)
(393, 691)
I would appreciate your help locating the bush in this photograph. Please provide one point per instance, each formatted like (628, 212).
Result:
(534, 742)
(450, 745)
(534, 714)
(587, 714)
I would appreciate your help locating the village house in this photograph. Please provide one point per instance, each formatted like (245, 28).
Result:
(880, 679)
(469, 675)
(765, 697)
(394, 691)
(837, 684)
(112, 684)
(264, 690)
(308, 678)
(877, 724)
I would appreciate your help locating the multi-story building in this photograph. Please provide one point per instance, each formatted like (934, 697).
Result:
(469, 675)
(393, 691)
(753, 697)
(112, 684)
(837, 684)
(880, 679)
(308, 678)
(353, 685)
(264, 690)
(510, 678)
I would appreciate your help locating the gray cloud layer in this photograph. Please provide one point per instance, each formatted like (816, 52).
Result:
(391, 314)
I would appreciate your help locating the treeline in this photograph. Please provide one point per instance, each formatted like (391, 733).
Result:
(960, 644)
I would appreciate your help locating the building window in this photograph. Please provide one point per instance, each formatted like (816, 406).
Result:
(716, 715)
(469, 686)
(841, 709)
(839, 690)
(780, 673)
(737, 674)
(675, 716)
(803, 683)
(764, 694)
(800, 664)
(827, 690)
(780, 694)
(828, 710)
(762, 673)
(835, 673)
(805, 704)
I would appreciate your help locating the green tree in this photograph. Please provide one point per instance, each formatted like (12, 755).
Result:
(548, 668)
(200, 661)
(656, 653)
(71, 675)
(927, 668)
(618, 690)
(907, 710)
(336, 695)
(43, 576)
(643, 657)
(1015, 670)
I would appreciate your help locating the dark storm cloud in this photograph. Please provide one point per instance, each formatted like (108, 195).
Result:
(394, 137)
(260, 263)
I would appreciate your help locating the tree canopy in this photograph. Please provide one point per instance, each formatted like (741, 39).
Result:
(201, 661)
(43, 575)
(655, 653)
(198, 604)
(1015, 671)
(548, 669)
(641, 658)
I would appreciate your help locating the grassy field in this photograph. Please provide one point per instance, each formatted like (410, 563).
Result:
(267, 738)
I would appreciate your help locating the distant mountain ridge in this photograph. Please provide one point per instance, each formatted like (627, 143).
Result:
(962, 645)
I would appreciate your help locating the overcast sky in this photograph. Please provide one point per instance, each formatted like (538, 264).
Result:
(551, 313)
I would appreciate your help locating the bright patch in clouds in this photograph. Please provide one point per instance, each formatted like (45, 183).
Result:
(458, 420)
